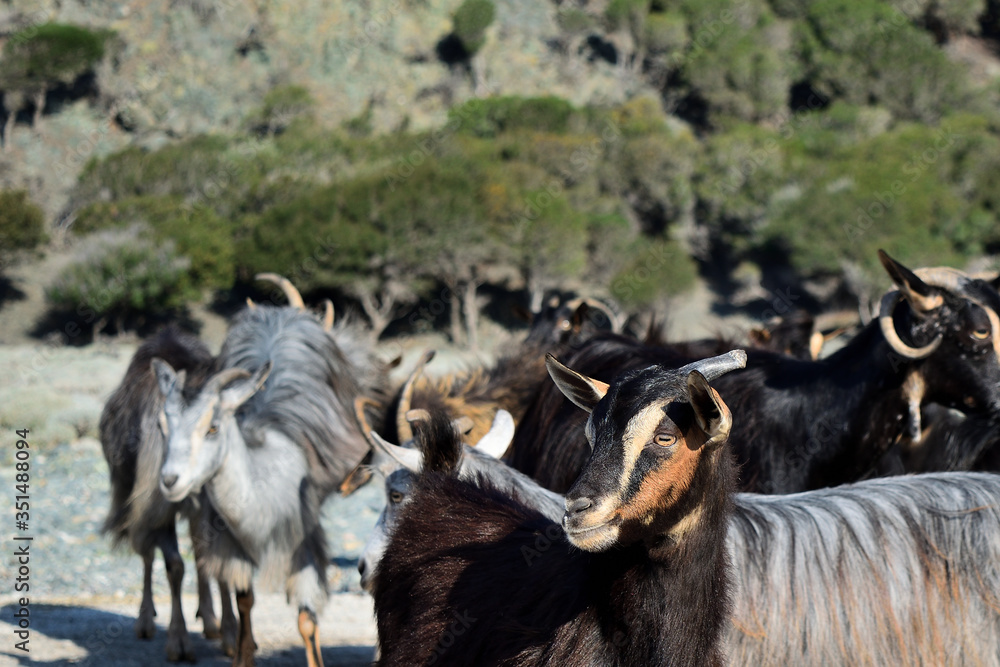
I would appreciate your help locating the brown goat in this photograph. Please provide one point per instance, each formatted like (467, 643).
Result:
(640, 576)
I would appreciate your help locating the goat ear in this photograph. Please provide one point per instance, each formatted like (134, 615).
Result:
(922, 297)
(358, 477)
(710, 411)
(499, 437)
(166, 377)
(385, 453)
(583, 391)
(240, 391)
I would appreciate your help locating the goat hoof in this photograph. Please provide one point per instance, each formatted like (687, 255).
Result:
(145, 626)
(179, 648)
(229, 639)
(210, 628)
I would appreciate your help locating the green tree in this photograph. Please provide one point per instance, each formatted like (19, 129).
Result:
(37, 58)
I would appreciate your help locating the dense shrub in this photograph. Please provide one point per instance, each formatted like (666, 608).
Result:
(22, 223)
(470, 22)
(199, 234)
(282, 105)
(121, 274)
(492, 116)
(738, 60)
(864, 51)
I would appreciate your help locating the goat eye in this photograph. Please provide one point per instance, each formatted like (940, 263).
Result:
(396, 497)
(213, 429)
(981, 334)
(664, 439)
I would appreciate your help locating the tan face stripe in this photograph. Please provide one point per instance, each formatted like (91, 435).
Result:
(638, 432)
(995, 326)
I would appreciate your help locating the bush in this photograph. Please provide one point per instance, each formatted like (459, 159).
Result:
(656, 268)
(493, 116)
(738, 66)
(199, 234)
(50, 53)
(666, 32)
(22, 223)
(627, 14)
(121, 274)
(863, 52)
(280, 107)
(470, 22)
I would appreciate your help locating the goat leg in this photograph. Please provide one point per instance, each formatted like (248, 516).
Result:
(247, 646)
(179, 645)
(309, 629)
(145, 626)
(230, 626)
(209, 622)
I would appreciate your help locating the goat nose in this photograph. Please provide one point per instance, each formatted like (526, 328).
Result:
(169, 481)
(578, 505)
(361, 568)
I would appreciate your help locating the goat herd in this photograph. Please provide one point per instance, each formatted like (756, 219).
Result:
(652, 503)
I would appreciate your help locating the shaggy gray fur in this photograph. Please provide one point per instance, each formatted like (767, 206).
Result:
(896, 571)
(268, 470)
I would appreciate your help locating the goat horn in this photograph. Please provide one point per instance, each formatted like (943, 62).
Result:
(250, 304)
(403, 430)
(613, 319)
(944, 277)
(418, 415)
(411, 459)
(714, 367)
(360, 403)
(886, 308)
(292, 294)
(224, 377)
(497, 440)
(328, 315)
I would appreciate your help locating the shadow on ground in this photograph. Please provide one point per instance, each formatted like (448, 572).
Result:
(84, 636)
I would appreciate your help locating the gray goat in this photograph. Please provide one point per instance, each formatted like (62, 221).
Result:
(268, 455)
(134, 446)
(888, 571)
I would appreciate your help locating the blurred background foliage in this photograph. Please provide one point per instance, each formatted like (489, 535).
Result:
(797, 136)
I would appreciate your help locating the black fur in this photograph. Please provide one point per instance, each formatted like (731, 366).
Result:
(797, 424)
(474, 577)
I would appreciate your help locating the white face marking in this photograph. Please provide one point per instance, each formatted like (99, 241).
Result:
(639, 431)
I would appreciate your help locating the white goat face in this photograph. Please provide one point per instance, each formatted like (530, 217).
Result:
(401, 466)
(199, 433)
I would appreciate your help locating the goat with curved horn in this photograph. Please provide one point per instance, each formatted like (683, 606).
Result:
(292, 294)
(803, 424)
(403, 430)
(268, 438)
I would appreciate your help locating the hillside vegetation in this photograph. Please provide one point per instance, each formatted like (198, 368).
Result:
(417, 151)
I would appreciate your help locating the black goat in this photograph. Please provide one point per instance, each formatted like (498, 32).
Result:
(809, 424)
(473, 577)
(134, 445)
